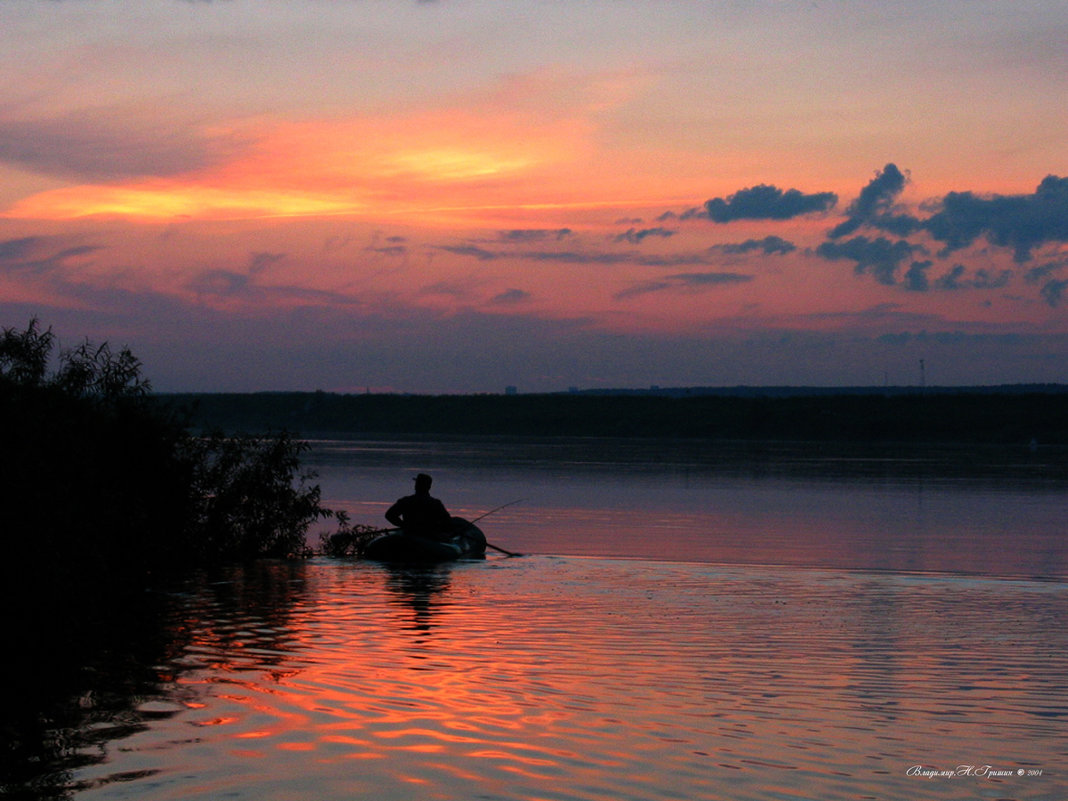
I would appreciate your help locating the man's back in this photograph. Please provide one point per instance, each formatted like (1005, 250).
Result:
(419, 514)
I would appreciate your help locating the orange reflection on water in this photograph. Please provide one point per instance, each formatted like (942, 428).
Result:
(626, 678)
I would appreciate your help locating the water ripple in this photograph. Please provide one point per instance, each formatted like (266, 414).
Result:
(600, 679)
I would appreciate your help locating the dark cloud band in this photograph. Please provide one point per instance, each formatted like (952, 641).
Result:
(764, 202)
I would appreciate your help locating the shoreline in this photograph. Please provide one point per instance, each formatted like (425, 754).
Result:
(1031, 420)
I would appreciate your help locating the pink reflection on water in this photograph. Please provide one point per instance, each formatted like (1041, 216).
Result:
(854, 527)
(606, 679)
(986, 513)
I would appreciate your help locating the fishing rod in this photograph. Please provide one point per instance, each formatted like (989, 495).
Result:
(502, 506)
(491, 511)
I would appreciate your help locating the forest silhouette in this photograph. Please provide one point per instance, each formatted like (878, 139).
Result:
(1001, 416)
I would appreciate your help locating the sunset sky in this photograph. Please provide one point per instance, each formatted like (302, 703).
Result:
(459, 195)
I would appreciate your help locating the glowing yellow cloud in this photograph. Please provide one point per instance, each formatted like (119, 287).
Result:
(174, 200)
(453, 164)
(337, 167)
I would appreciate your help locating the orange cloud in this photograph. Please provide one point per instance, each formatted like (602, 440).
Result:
(368, 166)
(159, 200)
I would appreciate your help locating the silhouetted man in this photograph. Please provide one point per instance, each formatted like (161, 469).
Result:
(420, 514)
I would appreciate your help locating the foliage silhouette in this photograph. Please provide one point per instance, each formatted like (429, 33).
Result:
(349, 539)
(103, 488)
(250, 496)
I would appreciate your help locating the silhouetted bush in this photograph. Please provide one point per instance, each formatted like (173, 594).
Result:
(250, 496)
(102, 487)
(349, 539)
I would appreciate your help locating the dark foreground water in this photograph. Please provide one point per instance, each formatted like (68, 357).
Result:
(684, 626)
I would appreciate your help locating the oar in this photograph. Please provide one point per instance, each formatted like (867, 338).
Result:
(506, 553)
(491, 511)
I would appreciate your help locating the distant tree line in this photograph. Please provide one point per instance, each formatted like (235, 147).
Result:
(103, 487)
(942, 416)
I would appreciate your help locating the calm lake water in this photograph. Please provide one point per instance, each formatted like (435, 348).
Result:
(687, 623)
